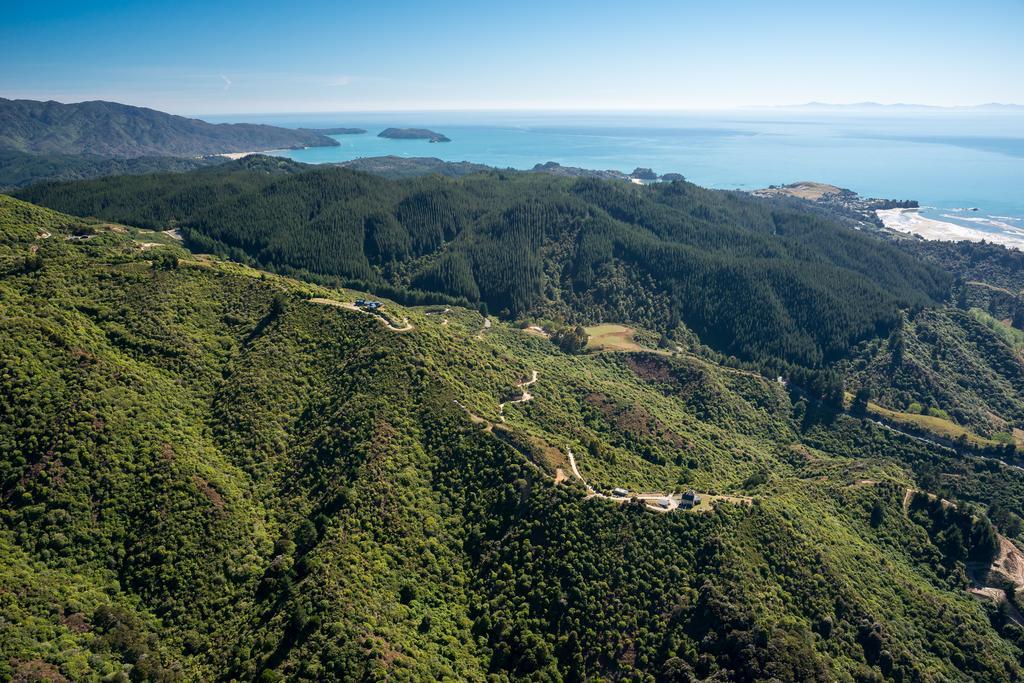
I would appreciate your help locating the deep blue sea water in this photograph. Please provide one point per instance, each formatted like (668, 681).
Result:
(945, 159)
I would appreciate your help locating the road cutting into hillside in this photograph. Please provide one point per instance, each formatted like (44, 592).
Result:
(406, 325)
(486, 325)
(575, 470)
(653, 501)
(1007, 567)
(527, 396)
(444, 321)
(647, 498)
(942, 442)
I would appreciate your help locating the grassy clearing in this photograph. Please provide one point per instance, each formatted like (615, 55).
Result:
(143, 236)
(1011, 335)
(936, 425)
(707, 502)
(612, 337)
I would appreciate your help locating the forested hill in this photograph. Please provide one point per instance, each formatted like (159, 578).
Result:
(751, 277)
(208, 473)
(119, 130)
(20, 169)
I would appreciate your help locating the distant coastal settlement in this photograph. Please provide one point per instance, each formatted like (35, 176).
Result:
(903, 215)
(839, 200)
(839, 197)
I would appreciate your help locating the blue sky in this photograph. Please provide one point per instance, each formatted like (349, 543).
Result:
(226, 57)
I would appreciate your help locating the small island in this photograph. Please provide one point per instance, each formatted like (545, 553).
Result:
(338, 131)
(412, 134)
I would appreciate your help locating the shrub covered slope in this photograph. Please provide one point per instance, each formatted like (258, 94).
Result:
(206, 476)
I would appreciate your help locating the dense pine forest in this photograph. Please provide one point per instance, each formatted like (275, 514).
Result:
(762, 280)
(20, 169)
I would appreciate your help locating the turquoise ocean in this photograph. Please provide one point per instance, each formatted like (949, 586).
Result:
(951, 161)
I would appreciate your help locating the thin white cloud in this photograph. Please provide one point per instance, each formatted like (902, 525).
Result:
(227, 81)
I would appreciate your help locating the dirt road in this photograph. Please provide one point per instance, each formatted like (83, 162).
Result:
(576, 471)
(527, 396)
(406, 325)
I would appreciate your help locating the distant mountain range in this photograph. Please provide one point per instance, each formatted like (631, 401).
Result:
(337, 131)
(988, 106)
(109, 129)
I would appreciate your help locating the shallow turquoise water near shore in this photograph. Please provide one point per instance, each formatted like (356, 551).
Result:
(946, 160)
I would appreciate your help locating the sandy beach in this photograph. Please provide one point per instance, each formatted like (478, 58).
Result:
(911, 221)
(237, 155)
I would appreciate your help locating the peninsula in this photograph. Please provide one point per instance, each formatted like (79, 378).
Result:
(113, 130)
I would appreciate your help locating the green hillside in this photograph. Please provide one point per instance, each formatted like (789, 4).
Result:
(207, 476)
(961, 365)
(992, 264)
(20, 169)
(754, 278)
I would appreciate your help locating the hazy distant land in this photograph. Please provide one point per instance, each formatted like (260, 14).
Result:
(337, 131)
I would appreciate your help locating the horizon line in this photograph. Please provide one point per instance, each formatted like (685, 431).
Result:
(636, 110)
(891, 106)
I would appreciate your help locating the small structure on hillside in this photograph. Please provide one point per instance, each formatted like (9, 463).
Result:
(369, 305)
(689, 500)
(619, 492)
